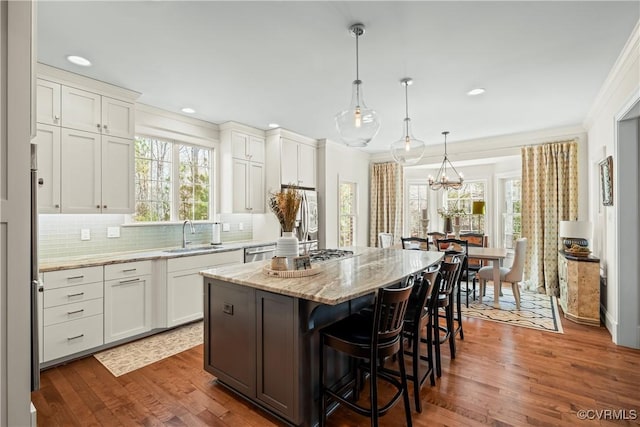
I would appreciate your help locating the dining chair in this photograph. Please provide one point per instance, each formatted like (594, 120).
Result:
(385, 240)
(473, 265)
(511, 275)
(415, 243)
(435, 236)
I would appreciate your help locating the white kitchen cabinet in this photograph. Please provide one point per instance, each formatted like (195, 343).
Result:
(48, 102)
(248, 184)
(127, 300)
(297, 164)
(97, 173)
(185, 290)
(242, 169)
(48, 141)
(247, 147)
(72, 311)
(92, 112)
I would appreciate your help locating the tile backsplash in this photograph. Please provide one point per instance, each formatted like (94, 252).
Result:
(60, 235)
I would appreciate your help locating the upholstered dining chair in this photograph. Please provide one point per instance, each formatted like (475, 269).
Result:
(385, 240)
(511, 275)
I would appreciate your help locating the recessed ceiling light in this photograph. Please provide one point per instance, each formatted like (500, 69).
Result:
(273, 125)
(188, 110)
(476, 91)
(79, 60)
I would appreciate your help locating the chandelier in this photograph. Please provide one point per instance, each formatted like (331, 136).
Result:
(357, 125)
(442, 180)
(407, 150)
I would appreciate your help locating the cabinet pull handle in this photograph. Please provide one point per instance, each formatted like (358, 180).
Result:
(128, 270)
(79, 294)
(105, 128)
(56, 206)
(104, 206)
(122, 282)
(75, 311)
(98, 125)
(75, 277)
(75, 338)
(97, 206)
(40, 181)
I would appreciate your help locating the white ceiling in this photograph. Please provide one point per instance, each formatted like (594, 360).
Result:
(542, 63)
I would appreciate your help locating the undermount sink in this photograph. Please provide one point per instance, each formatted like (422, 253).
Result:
(193, 249)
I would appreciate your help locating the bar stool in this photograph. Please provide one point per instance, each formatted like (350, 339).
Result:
(419, 316)
(449, 277)
(369, 340)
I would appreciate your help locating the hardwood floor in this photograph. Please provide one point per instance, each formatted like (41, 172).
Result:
(502, 376)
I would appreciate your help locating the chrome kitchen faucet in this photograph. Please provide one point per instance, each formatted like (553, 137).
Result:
(184, 236)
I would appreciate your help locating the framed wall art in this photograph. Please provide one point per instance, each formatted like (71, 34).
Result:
(606, 181)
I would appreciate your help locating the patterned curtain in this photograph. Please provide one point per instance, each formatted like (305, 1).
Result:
(386, 201)
(549, 195)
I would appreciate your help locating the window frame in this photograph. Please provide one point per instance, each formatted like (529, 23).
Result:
(407, 205)
(353, 214)
(175, 181)
(470, 217)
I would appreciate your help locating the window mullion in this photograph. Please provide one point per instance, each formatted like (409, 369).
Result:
(175, 180)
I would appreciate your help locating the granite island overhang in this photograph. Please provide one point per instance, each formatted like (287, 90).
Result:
(261, 332)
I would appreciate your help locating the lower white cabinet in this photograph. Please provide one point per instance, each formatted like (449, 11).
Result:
(72, 314)
(127, 300)
(185, 289)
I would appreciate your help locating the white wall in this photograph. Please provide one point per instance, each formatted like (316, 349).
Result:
(337, 162)
(618, 92)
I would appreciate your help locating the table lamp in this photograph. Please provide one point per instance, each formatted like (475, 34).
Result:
(477, 208)
(575, 233)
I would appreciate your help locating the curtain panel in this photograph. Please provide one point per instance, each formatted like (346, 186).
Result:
(387, 192)
(549, 195)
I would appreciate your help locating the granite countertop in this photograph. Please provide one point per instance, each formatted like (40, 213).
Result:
(63, 263)
(339, 280)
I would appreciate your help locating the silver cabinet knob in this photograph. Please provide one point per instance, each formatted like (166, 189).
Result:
(56, 118)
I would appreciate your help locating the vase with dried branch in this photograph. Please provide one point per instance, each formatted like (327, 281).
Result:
(285, 204)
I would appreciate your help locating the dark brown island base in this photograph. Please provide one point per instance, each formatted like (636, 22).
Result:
(262, 333)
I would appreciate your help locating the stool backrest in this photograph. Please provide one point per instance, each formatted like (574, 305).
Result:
(415, 243)
(389, 310)
(450, 272)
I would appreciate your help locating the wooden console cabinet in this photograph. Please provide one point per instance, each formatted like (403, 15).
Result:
(579, 288)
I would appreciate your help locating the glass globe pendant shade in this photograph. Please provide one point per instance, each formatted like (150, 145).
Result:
(407, 150)
(357, 125)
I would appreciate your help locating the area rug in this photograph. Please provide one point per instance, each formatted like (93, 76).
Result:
(537, 311)
(134, 355)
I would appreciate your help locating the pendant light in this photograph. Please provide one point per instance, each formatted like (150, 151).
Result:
(357, 125)
(407, 150)
(442, 180)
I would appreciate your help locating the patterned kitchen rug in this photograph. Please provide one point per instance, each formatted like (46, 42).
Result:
(134, 355)
(537, 311)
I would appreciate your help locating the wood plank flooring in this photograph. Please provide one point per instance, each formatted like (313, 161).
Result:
(502, 376)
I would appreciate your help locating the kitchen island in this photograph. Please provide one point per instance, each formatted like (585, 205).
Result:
(262, 333)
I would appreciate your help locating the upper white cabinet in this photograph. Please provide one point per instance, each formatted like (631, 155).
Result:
(48, 105)
(242, 169)
(48, 142)
(291, 158)
(92, 112)
(297, 163)
(97, 173)
(85, 143)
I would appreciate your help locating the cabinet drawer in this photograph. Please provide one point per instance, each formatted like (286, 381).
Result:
(127, 270)
(74, 311)
(69, 294)
(72, 337)
(205, 261)
(74, 276)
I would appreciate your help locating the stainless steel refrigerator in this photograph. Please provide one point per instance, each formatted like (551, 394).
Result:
(35, 277)
(307, 219)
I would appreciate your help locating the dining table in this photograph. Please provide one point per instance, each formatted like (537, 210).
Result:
(495, 255)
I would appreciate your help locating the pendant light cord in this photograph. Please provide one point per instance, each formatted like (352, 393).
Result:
(406, 108)
(357, 33)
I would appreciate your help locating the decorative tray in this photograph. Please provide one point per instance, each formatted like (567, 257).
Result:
(577, 252)
(287, 274)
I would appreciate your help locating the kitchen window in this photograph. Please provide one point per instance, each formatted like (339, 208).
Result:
(172, 181)
(348, 213)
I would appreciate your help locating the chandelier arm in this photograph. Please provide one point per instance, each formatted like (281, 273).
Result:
(454, 169)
